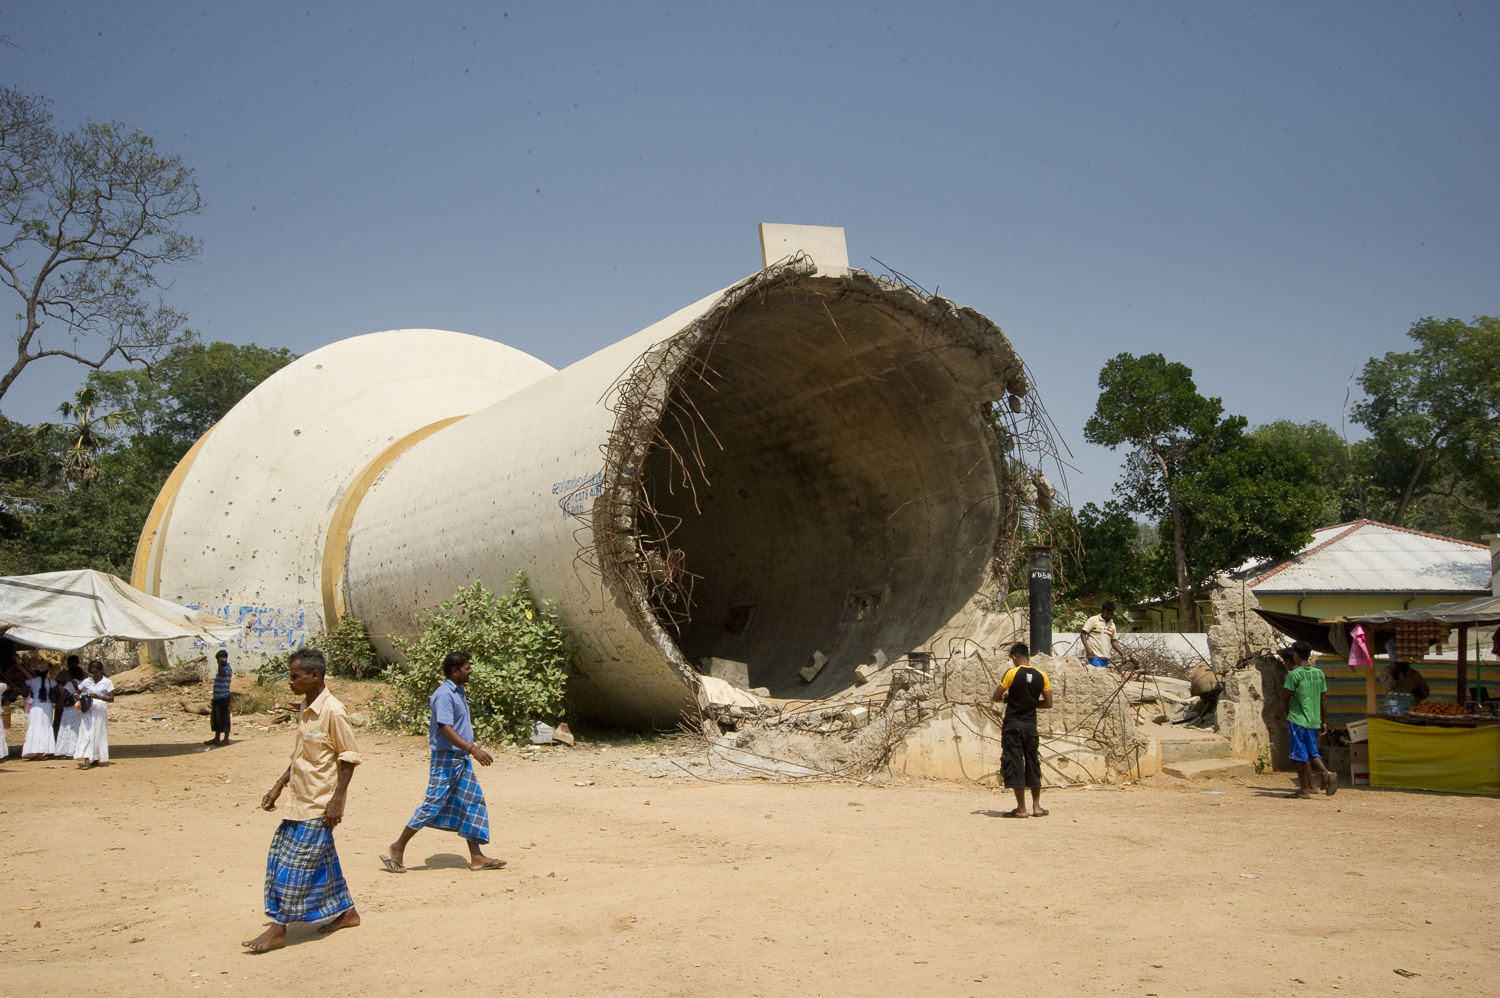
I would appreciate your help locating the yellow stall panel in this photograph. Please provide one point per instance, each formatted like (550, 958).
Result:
(1457, 760)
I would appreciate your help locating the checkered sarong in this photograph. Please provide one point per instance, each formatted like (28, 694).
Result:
(454, 801)
(304, 882)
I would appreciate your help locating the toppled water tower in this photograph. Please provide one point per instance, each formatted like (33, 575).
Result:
(799, 468)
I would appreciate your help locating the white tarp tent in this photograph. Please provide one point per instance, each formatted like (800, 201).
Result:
(63, 611)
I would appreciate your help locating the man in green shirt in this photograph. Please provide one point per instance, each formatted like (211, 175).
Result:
(1302, 705)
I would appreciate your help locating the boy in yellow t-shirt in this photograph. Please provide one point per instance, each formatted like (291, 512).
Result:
(1023, 690)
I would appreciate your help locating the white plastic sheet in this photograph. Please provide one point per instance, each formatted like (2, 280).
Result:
(63, 611)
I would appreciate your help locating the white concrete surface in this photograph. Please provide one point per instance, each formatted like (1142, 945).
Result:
(245, 531)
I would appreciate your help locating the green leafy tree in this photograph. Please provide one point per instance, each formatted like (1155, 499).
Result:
(1341, 466)
(1434, 419)
(1108, 561)
(89, 219)
(518, 651)
(1153, 406)
(1218, 495)
(1245, 499)
(82, 441)
(190, 389)
(48, 522)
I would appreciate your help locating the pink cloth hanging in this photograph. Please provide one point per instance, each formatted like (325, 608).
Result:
(1359, 646)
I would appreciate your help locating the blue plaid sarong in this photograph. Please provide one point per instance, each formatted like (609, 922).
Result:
(454, 801)
(304, 882)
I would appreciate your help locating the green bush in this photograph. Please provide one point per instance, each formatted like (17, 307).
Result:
(273, 670)
(347, 648)
(518, 657)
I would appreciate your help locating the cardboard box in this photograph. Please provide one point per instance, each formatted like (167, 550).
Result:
(1359, 764)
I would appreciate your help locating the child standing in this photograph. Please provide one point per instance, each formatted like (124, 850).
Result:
(1302, 698)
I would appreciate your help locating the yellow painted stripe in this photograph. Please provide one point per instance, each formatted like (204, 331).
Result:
(336, 544)
(157, 519)
(145, 570)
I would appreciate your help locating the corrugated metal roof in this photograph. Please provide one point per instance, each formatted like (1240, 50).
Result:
(1481, 611)
(1366, 556)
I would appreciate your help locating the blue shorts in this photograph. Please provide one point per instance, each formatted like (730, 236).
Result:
(1304, 743)
(1099, 662)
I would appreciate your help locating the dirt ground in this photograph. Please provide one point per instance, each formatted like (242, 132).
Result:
(141, 878)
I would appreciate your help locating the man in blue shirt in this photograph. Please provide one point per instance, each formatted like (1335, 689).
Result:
(454, 801)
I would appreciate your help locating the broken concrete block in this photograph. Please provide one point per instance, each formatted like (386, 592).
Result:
(818, 661)
(858, 716)
(864, 673)
(762, 691)
(880, 658)
(736, 674)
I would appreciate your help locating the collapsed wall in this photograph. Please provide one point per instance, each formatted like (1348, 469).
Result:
(1242, 648)
(796, 471)
(1088, 736)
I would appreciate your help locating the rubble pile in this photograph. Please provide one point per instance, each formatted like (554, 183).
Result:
(920, 716)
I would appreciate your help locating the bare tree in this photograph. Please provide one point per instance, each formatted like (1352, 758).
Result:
(87, 219)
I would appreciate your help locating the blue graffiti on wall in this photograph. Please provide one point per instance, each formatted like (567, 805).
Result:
(578, 493)
(269, 629)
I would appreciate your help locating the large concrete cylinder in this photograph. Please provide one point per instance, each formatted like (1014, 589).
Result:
(796, 471)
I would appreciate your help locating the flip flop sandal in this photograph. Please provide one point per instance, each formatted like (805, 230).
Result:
(1015, 812)
(1040, 813)
(1330, 784)
(391, 866)
(494, 864)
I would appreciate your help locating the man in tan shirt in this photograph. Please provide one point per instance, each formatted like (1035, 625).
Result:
(304, 882)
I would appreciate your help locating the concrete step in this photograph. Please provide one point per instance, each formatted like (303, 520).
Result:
(1210, 769)
(1186, 744)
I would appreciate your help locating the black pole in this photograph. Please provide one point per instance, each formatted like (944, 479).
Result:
(1040, 565)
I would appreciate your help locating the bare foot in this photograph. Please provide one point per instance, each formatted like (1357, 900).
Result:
(347, 920)
(273, 938)
(483, 862)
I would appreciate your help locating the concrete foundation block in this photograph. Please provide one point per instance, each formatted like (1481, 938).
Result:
(810, 672)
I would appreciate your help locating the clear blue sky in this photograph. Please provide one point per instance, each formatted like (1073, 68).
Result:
(1267, 192)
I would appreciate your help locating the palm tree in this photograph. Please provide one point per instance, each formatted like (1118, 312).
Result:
(83, 439)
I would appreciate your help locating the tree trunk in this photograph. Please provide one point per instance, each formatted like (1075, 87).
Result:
(1411, 486)
(1185, 605)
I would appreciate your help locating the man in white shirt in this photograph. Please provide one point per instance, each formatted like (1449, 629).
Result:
(1098, 634)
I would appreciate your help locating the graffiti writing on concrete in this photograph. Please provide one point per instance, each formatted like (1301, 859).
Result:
(269, 629)
(577, 494)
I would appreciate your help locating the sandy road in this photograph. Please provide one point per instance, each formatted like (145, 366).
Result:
(146, 874)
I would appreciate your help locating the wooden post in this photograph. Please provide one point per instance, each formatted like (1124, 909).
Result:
(1463, 664)
(1370, 689)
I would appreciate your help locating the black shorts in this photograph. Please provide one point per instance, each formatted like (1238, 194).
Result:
(218, 717)
(1020, 756)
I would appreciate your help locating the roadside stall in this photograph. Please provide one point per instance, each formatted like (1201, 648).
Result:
(1424, 738)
